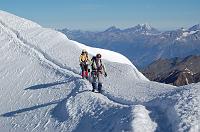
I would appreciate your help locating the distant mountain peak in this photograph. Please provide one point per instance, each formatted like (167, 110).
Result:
(140, 28)
(143, 29)
(195, 27)
(183, 29)
(112, 29)
(145, 26)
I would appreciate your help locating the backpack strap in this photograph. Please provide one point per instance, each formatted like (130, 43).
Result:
(93, 65)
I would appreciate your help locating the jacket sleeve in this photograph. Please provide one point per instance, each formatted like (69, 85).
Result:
(89, 60)
(80, 58)
(104, 68)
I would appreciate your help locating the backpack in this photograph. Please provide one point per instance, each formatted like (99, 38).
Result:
(94, 65)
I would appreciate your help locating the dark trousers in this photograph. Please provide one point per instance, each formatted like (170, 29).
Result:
(97, 86)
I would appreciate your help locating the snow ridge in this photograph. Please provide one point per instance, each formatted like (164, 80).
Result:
(58, 112)
(55, 98)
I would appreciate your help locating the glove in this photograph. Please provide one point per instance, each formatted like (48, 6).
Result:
(105, 74)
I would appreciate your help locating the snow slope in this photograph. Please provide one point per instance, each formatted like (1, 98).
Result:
(41, 89)
(180, 110)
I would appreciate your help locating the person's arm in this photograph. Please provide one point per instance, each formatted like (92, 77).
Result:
(104, 70)
(80, 58)
(88, 60)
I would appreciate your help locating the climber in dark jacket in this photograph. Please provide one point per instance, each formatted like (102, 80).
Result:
(98, 72)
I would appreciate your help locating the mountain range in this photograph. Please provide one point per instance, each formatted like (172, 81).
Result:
(142, 44)
(175, 71)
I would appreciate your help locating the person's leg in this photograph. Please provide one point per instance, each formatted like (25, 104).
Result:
(100, 80)
(86, 71)
(100, 87)
(82, 70)
(94, 82)
(94, 86)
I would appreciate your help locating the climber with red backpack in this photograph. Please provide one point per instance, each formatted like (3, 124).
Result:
(97, 73)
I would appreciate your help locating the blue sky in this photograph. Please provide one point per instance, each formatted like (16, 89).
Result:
(101, 14)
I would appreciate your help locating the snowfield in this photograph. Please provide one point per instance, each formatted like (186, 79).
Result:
(42, 90)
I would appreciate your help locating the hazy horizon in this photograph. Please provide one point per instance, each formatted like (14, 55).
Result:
(97, 15)
(122, 28)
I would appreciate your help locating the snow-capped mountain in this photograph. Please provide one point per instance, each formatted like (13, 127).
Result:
(195, 28)
(142, 29)
(113, 29)
(42, 90)
(143, 44)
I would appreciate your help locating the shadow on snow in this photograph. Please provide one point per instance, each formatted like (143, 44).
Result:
(59, 112)
(47, 85)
